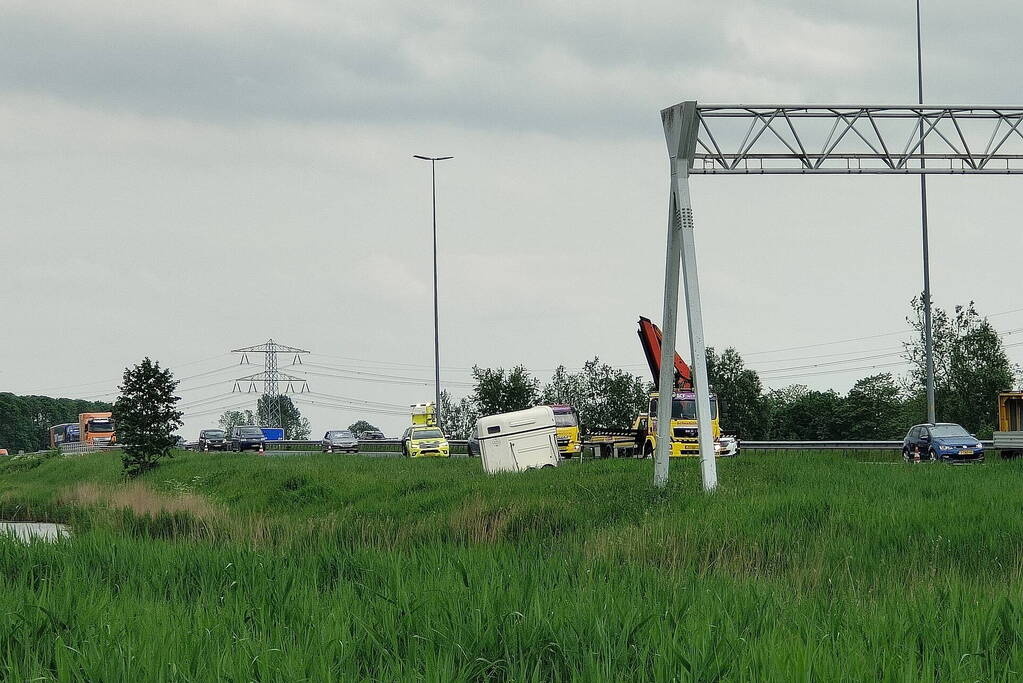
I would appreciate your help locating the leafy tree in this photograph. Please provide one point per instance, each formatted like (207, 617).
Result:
(295, 426)
(360, 426)
(604, 396)
(801, 414)
(741, 403)
(236, 418)
(146, 416)
(564, 388)
(970, 366)
(873, 409)
(498, 391)
(457, 419)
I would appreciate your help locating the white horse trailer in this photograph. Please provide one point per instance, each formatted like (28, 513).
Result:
(519, 441)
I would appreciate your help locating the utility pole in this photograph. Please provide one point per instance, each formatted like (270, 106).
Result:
(928, 339)
(271, 378)
(436, 317)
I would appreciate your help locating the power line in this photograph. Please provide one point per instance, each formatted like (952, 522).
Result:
(213, 399)
(378, 379)
(354, 408)
(356, 400)
(217, 410)
(841, 370)
(362, 372)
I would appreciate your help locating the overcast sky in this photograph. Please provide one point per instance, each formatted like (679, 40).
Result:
(181, 179)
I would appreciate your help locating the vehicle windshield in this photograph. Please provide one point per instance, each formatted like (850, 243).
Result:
(250, 431)
(941, 431)
(427, 434)
(566, 420)
(100, 426)
(340, 435)
(213, 434)
(685, 408)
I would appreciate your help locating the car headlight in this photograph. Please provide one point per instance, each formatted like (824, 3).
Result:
(979, 445)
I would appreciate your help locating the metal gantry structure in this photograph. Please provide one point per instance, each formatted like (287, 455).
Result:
(271, 378)
(801, 139)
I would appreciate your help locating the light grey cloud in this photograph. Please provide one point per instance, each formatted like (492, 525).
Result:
(557, 67)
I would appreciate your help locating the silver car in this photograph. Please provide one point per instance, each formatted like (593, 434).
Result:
(339, 440)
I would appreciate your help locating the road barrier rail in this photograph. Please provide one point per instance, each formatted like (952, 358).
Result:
(827, 445)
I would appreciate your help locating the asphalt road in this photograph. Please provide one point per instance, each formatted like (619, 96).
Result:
(368, 454)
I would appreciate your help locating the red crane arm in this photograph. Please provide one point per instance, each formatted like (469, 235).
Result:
(650, 339)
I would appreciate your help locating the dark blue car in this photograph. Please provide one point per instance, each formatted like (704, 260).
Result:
(942, 441)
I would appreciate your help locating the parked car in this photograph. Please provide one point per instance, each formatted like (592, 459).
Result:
(212, 440)
(245, 438)
(371, 435)
(472, 445)
(726, 447)
(339, 440)
(942, 441)
(422, 441)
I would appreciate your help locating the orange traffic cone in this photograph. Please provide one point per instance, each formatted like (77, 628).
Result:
(261, 450)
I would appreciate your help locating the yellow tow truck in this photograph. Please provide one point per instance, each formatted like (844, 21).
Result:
(684, 437)
(424, 438)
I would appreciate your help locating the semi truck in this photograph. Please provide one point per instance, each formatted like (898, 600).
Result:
(63, 433)
(1008, 440)
(96, 429)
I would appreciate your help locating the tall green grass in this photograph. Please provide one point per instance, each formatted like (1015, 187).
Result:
(316, 568)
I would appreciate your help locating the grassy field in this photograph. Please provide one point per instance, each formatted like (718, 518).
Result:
(318, 568)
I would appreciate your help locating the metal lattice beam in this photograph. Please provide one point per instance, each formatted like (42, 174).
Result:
(740, 139)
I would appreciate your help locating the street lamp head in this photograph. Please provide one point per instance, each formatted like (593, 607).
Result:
(420, 156)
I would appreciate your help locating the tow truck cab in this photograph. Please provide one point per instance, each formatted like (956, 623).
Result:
(566, 420)
(684, 440)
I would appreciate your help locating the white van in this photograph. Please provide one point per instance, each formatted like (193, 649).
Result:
(515, 442)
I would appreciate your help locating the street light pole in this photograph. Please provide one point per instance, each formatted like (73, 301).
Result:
(928, 338)
(436, 316)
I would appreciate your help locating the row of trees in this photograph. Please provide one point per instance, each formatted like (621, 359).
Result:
(971, 367)
(25, 420)
(603, 395)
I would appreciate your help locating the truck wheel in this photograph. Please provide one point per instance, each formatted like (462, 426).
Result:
(648, 450)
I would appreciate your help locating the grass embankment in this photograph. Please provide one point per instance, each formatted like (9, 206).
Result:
(326, 568)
